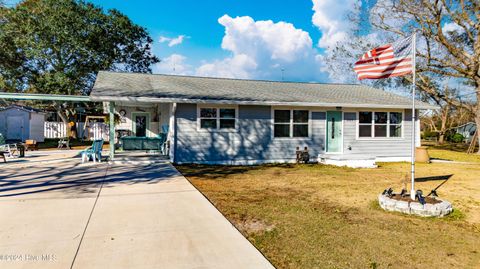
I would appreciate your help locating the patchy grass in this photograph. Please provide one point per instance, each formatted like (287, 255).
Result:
(317, 216)
(453, 155)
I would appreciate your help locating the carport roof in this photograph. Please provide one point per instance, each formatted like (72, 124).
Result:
(116, 86)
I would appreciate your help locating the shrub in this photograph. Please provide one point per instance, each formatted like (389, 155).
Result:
(457, 138)
(428, 134)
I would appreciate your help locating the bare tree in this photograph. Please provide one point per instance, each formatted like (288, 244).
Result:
(448, 117)
(449, 45)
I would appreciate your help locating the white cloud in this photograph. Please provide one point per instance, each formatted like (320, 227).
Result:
(331, 17)
(238, 66)
(172, 41)
(452, 27)
(174, 64)
(261, 49)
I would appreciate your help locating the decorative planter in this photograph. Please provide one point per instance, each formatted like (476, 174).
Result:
(415, 208)
(421, 155)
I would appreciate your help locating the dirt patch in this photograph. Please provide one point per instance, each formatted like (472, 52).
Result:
(253, 226)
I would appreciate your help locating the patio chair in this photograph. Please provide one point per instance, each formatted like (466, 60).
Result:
(163, 143)
(5, 150)
(2, 154)
(64, 142)
(94, 152)
(9, 150)
(165, 128)
(31, 145)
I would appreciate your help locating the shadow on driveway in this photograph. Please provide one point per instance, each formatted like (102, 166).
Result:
(76, 178)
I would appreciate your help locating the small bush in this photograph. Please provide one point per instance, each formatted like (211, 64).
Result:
(457, 138)
(429, 134)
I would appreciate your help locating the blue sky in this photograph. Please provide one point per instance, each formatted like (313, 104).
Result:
(255, 39)
(199, 20)
(268, 40)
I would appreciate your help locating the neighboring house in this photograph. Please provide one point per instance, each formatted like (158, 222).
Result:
(232, 121)
(19, 123)
(467, 130)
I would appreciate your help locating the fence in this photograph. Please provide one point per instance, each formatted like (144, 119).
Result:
(96, 130)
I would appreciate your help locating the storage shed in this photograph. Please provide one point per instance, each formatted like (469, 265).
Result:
(19, 123)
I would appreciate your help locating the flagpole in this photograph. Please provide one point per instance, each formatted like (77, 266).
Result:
(414, 125)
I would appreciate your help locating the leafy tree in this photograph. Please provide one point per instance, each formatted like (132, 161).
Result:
(58, 46)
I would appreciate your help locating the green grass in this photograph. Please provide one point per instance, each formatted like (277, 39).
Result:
(317, 216)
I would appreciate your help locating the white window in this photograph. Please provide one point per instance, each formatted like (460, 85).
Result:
(217, 118)
(379, 124)
(290, 123)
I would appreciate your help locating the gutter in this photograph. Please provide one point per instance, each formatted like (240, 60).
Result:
(240, 102)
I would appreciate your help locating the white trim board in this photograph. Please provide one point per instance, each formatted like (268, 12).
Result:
(239, 102)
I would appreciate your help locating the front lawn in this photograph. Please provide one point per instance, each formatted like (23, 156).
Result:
(317, 216)
(444, 154)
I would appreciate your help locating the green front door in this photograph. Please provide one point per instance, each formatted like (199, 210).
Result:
(334, 131)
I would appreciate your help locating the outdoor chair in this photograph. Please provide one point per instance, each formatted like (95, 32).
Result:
(163, 143)
(165, 128)
(31, 145)
(94, 152)
(64, 142)
(2, 154)
(9, 150)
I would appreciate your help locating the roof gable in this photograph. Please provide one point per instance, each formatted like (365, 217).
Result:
(23, 108)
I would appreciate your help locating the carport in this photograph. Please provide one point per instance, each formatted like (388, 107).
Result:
(67, 98)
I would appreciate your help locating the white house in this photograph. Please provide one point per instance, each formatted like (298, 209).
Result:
(467, 130)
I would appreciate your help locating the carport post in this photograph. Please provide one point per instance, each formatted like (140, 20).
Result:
(111, 110)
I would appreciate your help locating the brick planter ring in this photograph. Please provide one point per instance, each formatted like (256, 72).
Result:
(414, 208)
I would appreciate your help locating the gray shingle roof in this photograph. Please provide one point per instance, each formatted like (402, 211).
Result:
(113, 86)
(24, 108)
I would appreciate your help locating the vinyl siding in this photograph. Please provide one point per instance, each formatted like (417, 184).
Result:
(252, 142)
(387, 147)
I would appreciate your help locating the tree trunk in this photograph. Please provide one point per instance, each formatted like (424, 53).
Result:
(441, 138)
(477, 112)
(63, 117)
(477, 122)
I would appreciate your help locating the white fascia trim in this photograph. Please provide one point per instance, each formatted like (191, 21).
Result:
(237, 102)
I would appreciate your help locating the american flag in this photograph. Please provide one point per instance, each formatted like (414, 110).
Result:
(391, 60)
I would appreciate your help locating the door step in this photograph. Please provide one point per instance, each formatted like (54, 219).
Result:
(352, 160)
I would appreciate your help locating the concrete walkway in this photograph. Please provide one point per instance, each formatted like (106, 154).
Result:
(66, 215)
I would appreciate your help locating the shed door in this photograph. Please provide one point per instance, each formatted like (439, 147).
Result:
(15, 127)
(334, 131)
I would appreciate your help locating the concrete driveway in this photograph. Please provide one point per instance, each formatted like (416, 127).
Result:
(67, 215)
